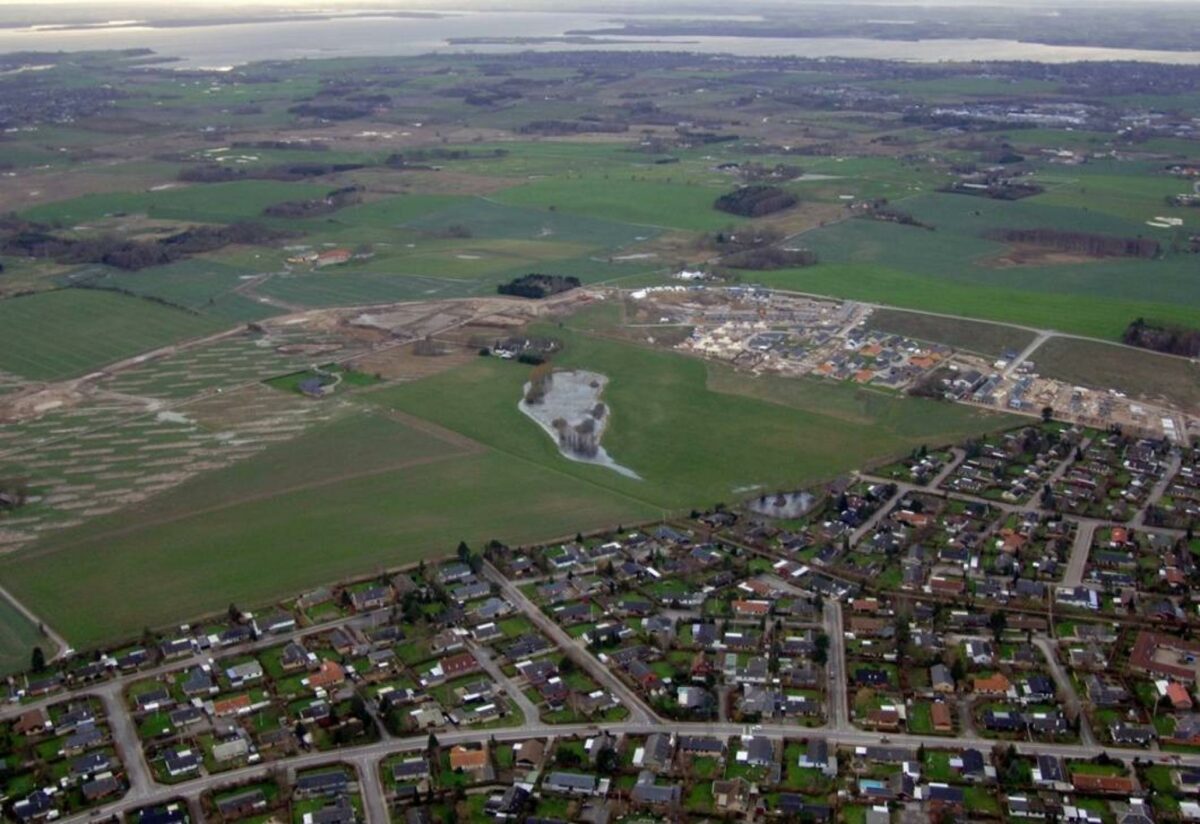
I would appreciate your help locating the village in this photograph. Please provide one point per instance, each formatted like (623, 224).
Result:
(771, 332)
(997, 629)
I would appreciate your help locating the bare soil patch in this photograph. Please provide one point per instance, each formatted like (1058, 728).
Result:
(402, 363)
(1019, 255)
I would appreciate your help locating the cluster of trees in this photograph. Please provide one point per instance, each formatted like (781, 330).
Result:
(418, 158)
(996, 190)
(1174, 340)
(880, 210)
(770, 257)
(289, 172)
(1083, 243)
(755, 201)
(35, 240)
(540, 378)
(538, 286)
(566, 127)
(337, 199)
(300, 145)
(581, 439)
(332, 111)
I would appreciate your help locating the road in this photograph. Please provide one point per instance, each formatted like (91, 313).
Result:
(484, 656)
(366, 758)
(600, 673)
(1085, 532)
(1027, 353)
(1066, 690)
(839, 703)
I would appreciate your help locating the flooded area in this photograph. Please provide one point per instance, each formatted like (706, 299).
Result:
(567, 406)
(783, 504)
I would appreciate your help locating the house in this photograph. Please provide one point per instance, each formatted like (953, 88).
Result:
(757, 751)
(529, 754)
(1139, 735)
(816, 757)
(940, 679)
(510, 804)
(575, 784)
(1176, 693)
(648, 792)
(1050, 772)
(732, 796)
(245, 673)
(657, 753)
(317, 784)
(941, 717)
(701, 746)
(1103, 784)
(993, 685)
(971, 765)
(180, 762)
(329, 674)
(468, 759)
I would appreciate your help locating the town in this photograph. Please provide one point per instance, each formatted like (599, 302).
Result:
(996, 629)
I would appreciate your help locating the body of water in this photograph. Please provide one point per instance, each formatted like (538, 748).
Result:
(223, 46)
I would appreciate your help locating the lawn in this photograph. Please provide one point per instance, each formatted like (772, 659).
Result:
(65, 333)
(18, 637)
(363, 495)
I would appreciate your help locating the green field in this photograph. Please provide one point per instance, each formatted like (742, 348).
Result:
(203, 202)
(62, 334)
(356, 496)
(697, 434)
(956, 270)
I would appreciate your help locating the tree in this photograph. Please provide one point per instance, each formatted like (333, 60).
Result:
(431, 745)
(37, 660)
(1047, 414)
(235, 614)
(464, 551)
(998, 621)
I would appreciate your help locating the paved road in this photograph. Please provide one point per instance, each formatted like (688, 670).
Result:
(484, 656)
(369, 756)
(1085, 532)
(839, 704)
(1026, 353)
(600, 673)
(1066, 689)
(1174, 462)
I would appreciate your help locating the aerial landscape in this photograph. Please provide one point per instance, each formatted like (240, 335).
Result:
(578, 412)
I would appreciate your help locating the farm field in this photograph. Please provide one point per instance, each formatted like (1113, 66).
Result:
(1090, 316)
(1135, 372)
(955, 269)
(91, 328)
(273, 538)
(985, 338)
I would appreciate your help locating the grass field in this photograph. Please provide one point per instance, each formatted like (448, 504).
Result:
(18, 637)
(61, 334)
(695, 433)
(358, 495)
(984, 338)
(203, 202)
(1134, 372)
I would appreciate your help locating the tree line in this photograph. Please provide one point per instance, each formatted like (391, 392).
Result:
(1081, 242)
(1173, 340)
